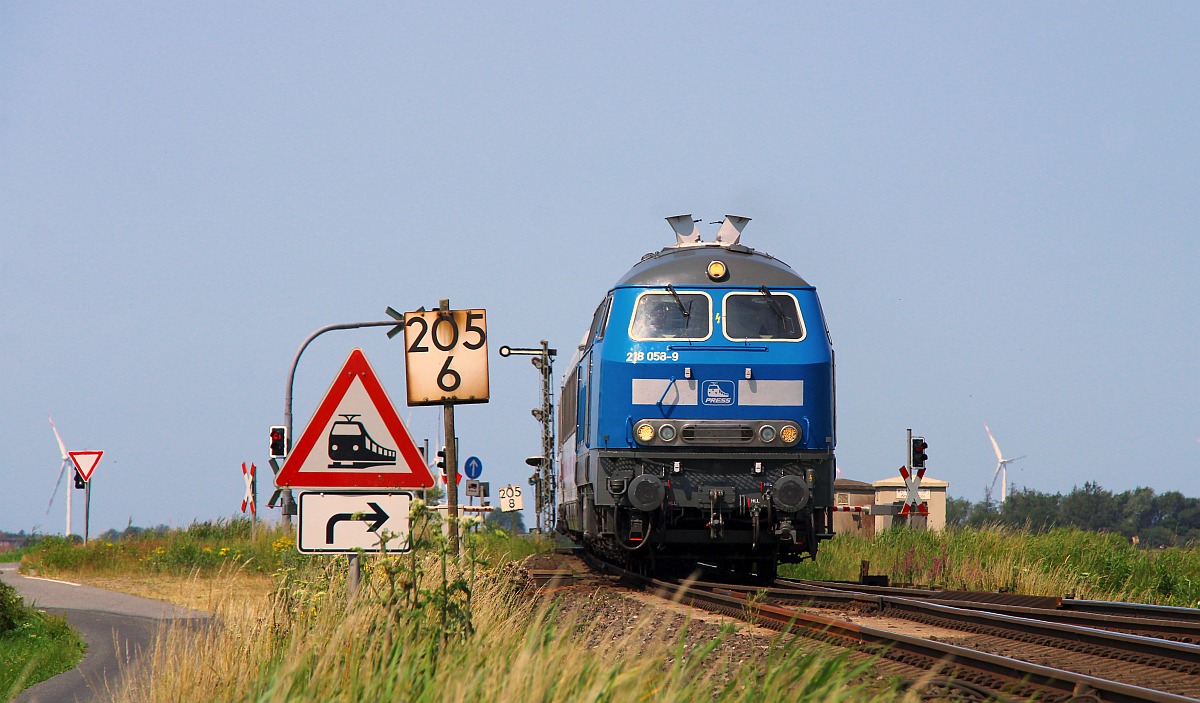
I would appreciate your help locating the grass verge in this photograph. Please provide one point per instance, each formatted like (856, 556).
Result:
(429, 626)
(1060, 562)
(205, 548)
(33, 645)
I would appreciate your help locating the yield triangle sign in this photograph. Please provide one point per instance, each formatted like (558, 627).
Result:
(355, 439)
(86, 462)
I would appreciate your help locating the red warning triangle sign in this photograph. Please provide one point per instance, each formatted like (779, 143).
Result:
(86, 462)
(355, 439)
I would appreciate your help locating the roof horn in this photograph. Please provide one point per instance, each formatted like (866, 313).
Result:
(731, 230)
(686, 231)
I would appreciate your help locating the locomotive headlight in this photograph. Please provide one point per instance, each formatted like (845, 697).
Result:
(717, 270)
(645, 433)
(666, 432)
(790, 434)
(767, 433)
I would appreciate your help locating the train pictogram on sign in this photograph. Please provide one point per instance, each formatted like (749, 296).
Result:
(355, 439)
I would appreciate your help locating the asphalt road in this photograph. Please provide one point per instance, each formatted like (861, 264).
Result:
(116, 626)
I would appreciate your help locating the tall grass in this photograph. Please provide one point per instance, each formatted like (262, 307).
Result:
(1061, 562)
(428, 626)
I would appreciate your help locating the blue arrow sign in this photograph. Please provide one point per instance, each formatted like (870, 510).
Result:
(473, 468)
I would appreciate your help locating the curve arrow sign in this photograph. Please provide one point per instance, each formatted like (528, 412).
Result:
(343, 522)
(378, 516)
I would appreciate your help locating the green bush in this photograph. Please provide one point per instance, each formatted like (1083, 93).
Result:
(12, 608)
(40, 647)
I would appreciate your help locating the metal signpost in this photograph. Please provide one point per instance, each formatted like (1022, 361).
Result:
(510, 501)
(85, 463)
(912, 473)
(445, 354)
(281, 444)
(355, 440)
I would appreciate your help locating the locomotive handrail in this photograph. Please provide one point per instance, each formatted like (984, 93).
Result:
(666, 390)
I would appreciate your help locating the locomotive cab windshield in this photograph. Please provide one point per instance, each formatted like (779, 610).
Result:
(758, 316)
(671, 315)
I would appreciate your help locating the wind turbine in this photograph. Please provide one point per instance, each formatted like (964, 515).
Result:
(1001, 469)
(66, 461)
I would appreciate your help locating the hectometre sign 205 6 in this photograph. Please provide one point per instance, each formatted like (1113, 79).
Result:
(446, 356)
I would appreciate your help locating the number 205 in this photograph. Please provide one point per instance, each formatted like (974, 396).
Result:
(445, 335)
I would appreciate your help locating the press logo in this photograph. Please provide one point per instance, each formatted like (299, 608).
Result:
(717, 393)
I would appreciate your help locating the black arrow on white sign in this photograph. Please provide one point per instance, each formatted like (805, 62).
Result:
(378, 516)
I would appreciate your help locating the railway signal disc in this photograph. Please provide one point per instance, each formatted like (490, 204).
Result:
(355, 439)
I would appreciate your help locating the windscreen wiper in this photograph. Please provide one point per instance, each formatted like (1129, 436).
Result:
(777, 308)
(774, 303)
(687, 311)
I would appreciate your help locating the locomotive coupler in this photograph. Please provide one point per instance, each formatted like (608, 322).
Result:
(785, 531)
(636, 530)
(716, 524)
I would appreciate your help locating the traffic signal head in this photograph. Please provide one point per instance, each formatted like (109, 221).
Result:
(278, 441)
(79, 482)
(441, 458)
(918, 452)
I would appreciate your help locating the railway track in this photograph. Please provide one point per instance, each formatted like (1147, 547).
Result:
(1005, 646)
(1163, 622)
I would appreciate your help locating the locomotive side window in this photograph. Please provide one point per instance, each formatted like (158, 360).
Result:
(671, 315)
(599, 320)
(568, 408)
(762, 315)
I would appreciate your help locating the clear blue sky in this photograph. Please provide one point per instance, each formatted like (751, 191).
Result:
(999, 205)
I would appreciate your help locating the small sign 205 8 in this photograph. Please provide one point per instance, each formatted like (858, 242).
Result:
(446, 356)
(510, 499)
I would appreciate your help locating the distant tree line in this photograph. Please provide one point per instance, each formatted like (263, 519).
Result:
(1154, 520)
(132, 532)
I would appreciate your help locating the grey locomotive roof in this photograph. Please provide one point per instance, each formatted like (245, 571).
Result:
(688, 266)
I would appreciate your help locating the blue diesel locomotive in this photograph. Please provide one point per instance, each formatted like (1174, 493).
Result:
(696, 419)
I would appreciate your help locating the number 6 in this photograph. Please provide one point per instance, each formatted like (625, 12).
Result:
(456, 379)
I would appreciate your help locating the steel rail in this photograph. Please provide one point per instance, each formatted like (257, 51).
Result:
(1176, 630)
(1152, 628)
(1092, 607)
(929, 594)
(1157, 652)
(1104, 607)
(997, 672)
